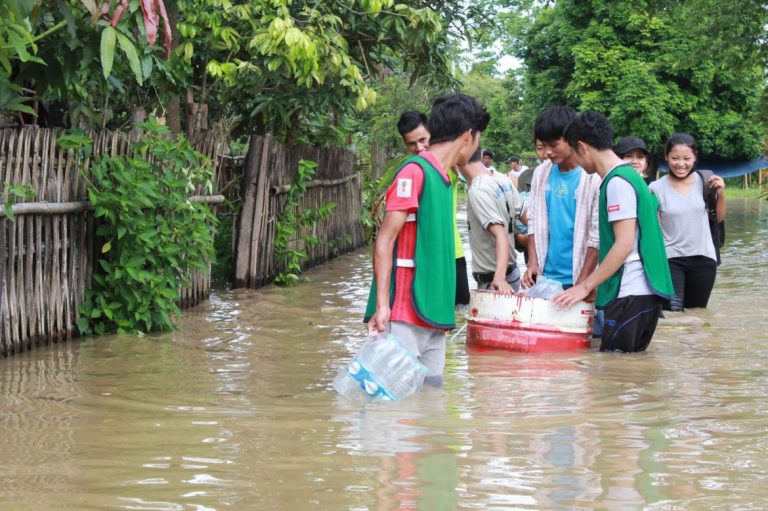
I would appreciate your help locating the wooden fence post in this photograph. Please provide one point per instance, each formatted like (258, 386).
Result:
(254, 191)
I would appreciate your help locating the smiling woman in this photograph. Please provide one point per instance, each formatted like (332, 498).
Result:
(684, 216)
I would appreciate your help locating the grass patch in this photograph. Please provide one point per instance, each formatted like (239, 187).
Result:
(752, 192)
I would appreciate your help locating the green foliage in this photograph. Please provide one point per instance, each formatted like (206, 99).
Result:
(291, 221)
(508, 132)
(297, 69)
(654, 67)
(11, 192)
(18, 44)
(153, 235)
(284, 64)
(223, 266)
(337, 244)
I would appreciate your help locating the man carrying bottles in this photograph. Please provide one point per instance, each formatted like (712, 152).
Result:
(413, 291)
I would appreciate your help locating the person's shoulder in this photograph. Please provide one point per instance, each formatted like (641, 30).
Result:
(542, 169)
(484, 181)
(593, 178)
(410, 168)
(658, 183)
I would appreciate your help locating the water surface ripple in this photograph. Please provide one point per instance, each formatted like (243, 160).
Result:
(235, 411)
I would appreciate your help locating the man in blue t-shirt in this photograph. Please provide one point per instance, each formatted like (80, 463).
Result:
(563, 214)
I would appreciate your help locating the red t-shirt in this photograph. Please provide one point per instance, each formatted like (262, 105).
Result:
(403, 195)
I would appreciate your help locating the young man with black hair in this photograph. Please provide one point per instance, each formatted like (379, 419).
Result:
(413, 128)
(487, 158)
(563, 208)
(633, 277)
(414, 264)
(493, 205)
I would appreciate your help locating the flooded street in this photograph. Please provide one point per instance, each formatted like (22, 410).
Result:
(235, 411)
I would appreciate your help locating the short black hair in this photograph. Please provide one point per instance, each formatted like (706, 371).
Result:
(592, 128)
(681, 139)
(410, 120)
(453, 114)
(551, 123)
(476, 156)
(488, 152)
(513, 158)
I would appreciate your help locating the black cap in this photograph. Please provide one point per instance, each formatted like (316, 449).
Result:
(628, 144)
(513, 158)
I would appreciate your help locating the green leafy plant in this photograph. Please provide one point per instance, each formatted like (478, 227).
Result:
(153, 235)
(290, 223)
(337, 244)
(11, 192)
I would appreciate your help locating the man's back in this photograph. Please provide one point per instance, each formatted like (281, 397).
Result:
(492, 199)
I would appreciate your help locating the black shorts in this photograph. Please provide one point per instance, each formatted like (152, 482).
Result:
(462, 284)
(630, 323)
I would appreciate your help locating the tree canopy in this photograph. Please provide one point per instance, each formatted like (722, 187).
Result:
(312, 71)
(654, 67)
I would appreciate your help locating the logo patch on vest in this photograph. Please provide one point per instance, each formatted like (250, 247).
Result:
(404, 187)
(614, 208)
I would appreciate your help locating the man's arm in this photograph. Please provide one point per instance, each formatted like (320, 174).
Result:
(590, 263)
(532, 270)
(624, 231)
(499, 282)
(382, 267)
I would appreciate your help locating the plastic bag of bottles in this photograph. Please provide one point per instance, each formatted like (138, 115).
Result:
(382, 369)
(544, 288)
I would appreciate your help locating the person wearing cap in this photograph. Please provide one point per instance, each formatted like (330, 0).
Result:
(634, 151)
(515, 168)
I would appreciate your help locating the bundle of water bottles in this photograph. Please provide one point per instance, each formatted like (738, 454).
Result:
(544, 288)
(382, 369)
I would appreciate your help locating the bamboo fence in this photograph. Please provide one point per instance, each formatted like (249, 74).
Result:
(46, 251)
(269, 172)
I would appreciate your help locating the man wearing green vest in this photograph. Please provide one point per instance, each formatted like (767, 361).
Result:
(633, 277)
(414, 265)
(412, 126)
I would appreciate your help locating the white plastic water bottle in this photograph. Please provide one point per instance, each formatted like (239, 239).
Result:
(383, 369)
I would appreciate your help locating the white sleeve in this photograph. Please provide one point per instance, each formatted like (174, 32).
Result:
(621, 200)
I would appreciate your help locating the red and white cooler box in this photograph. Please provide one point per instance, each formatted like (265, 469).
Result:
(521, 323)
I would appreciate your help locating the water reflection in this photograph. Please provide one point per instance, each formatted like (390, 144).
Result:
(235, 411)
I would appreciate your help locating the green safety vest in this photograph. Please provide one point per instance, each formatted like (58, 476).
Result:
(433, 292)
(653, 254)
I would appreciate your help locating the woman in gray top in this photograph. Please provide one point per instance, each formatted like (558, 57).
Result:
(685, 222)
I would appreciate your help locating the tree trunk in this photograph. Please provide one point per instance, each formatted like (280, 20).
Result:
(197, 119)
(173, 115)
(138, 115)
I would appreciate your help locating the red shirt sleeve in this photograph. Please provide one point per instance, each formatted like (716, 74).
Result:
(403, 194)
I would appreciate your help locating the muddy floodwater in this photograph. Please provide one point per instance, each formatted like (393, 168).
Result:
(235, 411)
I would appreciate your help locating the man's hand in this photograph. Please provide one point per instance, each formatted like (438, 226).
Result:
(568, 298)
(533, 271)
(501, 285)
(592, 295)
(379, 321)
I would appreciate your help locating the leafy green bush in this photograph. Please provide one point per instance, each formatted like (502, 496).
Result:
(290, 222)
(154, 236)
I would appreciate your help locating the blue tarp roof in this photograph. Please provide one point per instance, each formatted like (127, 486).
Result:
(727, 168)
